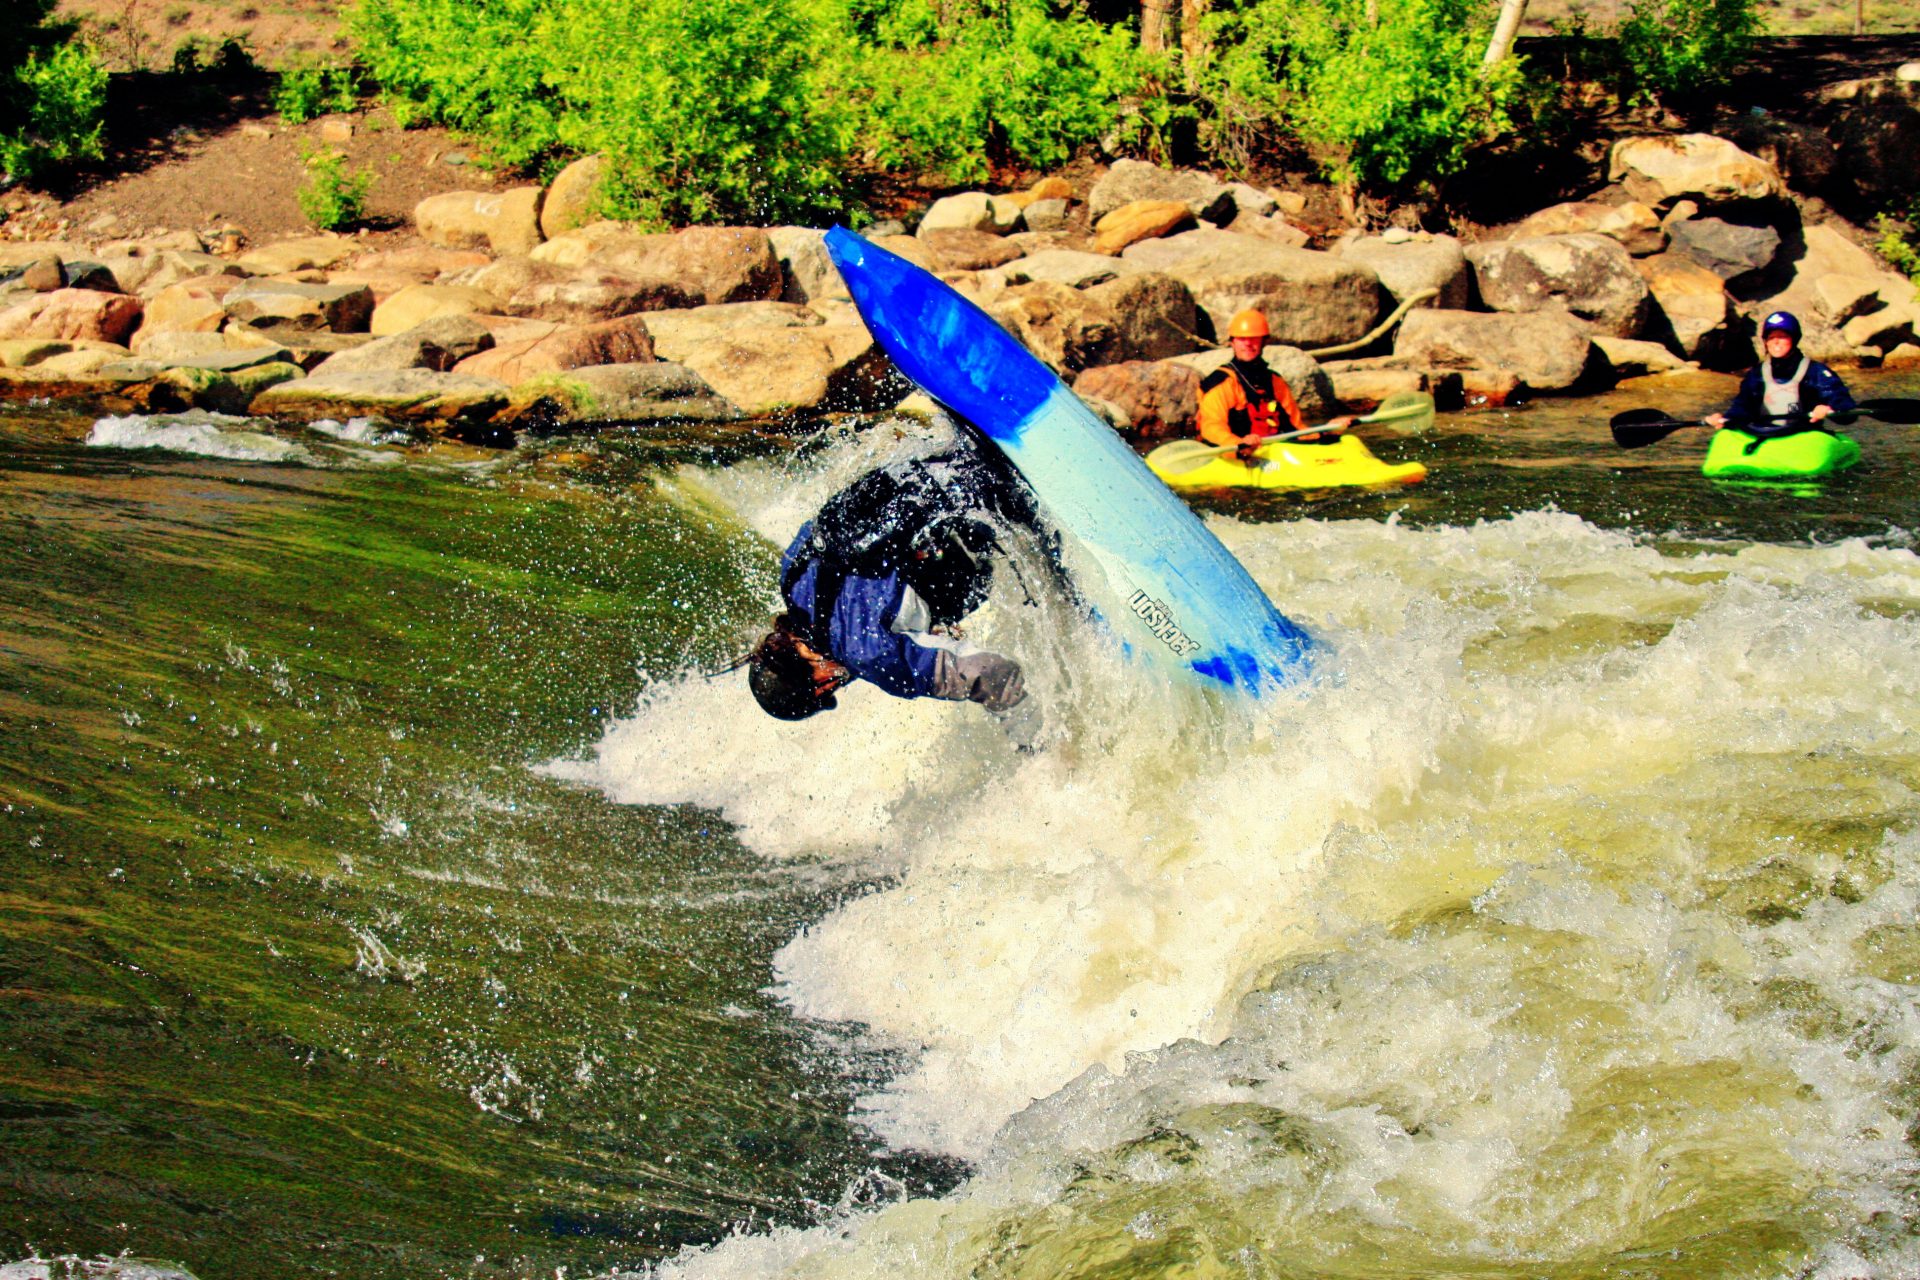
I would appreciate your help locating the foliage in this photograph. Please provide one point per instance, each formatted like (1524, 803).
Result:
(1387, 91)
(710, 109)
(305, 92)
(57, 94)
(1683, 46)
(1008, 79)
(332, 196)
(1900, 241)
(52, 91)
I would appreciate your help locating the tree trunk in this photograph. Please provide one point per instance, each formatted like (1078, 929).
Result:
(1158, 25)
(1193, 40)
(1505, 28)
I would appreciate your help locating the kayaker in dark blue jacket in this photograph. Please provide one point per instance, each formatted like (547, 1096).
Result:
(1786, 392)
(877, 582)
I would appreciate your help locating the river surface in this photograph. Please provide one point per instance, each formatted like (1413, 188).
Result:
(386, 891)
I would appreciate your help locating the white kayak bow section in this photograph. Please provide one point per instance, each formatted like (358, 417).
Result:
(1171, 591)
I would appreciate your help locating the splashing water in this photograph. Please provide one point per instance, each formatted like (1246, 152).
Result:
(1565, 921)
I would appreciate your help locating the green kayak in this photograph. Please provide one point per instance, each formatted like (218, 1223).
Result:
(1737, 454)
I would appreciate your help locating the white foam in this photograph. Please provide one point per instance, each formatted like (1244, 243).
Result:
(1398, 958)
(208, 435)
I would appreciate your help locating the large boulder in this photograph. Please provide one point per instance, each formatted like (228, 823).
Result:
(1132, 180)
(1263, 226)
(767, 369)
(961, 250)
(971, 211)
(418, 303)
(1634, 224)
(676, 334)
(342, 308)
(146, 274)
(1740, 255)
(621, 341)
(616, 393)
(1071, 267)
(1692, 312)
(1154, 316)
(1695, 166)
(387, 272)
(1160, 398)
(1413, 264)
(72, 314)
(1547, 349)
(582, 295)
(1311, 299)
(1591, 276)
(807, 273)
(708, 264)
(440, 343)
(415, 395)
(573, 197)
(1139, 220)
(192, 306)
(1067, 328)
(503, 221)
(299, 253)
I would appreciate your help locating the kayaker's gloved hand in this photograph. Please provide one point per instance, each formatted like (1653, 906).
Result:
(994, 682)
(1248, 451)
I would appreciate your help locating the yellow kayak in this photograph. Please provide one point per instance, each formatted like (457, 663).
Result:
(1285, 464)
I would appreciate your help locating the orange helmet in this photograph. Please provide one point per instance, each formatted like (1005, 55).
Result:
(1248, 324)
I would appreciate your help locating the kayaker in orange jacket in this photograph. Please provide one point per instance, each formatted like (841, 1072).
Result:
(1243, 402)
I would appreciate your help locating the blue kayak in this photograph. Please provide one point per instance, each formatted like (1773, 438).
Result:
(1161, 580)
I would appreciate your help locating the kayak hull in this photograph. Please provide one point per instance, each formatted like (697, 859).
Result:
(1288, 464)
(1154, 574)
(1736, 454)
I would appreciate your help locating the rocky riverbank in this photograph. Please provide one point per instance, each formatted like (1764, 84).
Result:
(515, 312)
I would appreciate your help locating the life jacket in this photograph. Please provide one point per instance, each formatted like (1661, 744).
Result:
(1782, 397)
(1252, 405)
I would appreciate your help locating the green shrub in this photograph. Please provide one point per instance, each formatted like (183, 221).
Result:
(1900, 241)
(711, 110)
(304, 93)
(57, 95)
(1683, 46)
(1387, 92)
(332, 196)
(1008, 79)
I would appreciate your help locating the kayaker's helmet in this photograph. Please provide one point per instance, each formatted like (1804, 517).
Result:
(784, 681)
(1251, 323)
(1780, 322)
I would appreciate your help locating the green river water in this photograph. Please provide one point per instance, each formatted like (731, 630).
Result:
(385, 893)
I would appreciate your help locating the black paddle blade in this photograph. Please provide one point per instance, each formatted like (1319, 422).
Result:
(1637, 428)
(1901, 412)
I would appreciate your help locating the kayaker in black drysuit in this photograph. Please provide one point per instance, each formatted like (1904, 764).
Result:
(876, 584)
(1786, 392)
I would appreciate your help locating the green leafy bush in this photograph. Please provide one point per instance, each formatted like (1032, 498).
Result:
(1899, 241)
(1009, 79)
(332, 196)
(52, 90)
(1683, 46)
(1387, 91)
(710, 110)
(58, 94)
(305, 93)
